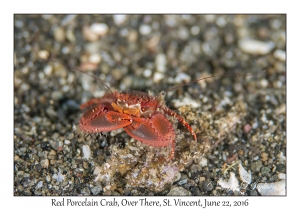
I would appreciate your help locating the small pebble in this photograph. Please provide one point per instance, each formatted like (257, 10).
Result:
(95, 58)
(59, 34)
(281, 158)
(132, 36)
(195, 30)
(221, 22)
(96, 189)
(182, 77)
(60, 177)
(202, 179)
(85, 191)
(45, 163)
(183, 33)
(203, 162)
(244, 175)
(178, 191)
(214, 192)
(186, 102)
(256, 166)
(89, 34)
(158, 76)
(280, 54)
(85, 165)
(70, 36)
(247, 128)
(177, 177)
(48, 178)
(265, 170)
(43, 54)
(264, 156)
(86, 151)
(147, 73)
(67, 142)
(253, 193)
(99, 28)
(97, 170)
(281, 168)
(256, 47)
(68, 19)
(16, 158)
(145, 29)
(40, 184)
(119, 19)
(207, 185)
(183, 179)
(276, 24)
(232, 183)
(161, 62)
(281, 176)
(264, 83)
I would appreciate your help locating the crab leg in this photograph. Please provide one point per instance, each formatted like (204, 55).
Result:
(174, 114)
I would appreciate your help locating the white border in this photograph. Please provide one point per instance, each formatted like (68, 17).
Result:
(155, 6)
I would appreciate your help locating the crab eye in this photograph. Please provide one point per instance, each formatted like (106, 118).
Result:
(143, 109)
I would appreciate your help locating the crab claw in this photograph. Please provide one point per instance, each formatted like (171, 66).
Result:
(156, 131)
(98, 119)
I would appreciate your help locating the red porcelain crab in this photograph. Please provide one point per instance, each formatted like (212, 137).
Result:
(142, 116)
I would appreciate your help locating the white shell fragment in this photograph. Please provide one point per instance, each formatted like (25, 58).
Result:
(119, 19)
(45, 163)
(244, 175)
(178, 191)
(158, 76)
(276, 188)
(99, 28)
(281, 158)
(280, 55)
(186, 101)
(60, 177)
(145, 29)
(68, 19)
(97, 170)
(86, 151)
(232, 183)
(281, 176)
(252, 46)
(161, 62)
(95, 58)
(40, 184)
(203, 162)
(182, 77)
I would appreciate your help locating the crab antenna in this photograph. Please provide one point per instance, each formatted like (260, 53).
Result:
(93, 76)
(222, 75)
